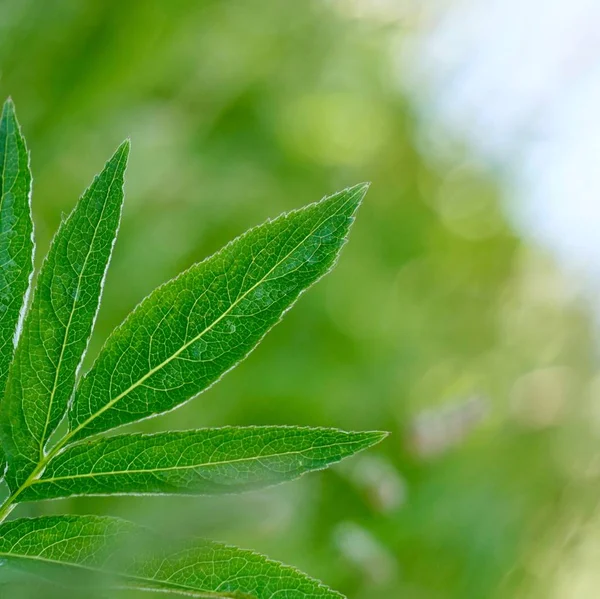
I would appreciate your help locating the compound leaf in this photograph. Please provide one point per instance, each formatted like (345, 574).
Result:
(189, 332)
(174, 345)
(59, 323)
(124, 555)
(16, 237)
(206, 461)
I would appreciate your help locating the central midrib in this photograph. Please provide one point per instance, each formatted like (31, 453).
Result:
(2, 191)
(192, 466)
(42, 439)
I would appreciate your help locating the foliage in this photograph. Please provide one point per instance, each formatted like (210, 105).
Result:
(177, 343)
(237, 110)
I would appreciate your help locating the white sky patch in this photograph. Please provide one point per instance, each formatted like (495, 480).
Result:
(519, 80)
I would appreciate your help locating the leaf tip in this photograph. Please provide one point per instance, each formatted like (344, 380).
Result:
(361, 440)
(376, 437)
(347, 200)
(124, 148)
(8, 109)
(356, 193)
(359, 191)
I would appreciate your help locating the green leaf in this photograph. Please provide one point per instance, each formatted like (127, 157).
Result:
(206, 461)
(16, 233)
(192, 330)
(137, 559)
(59, 323)
(16, 237)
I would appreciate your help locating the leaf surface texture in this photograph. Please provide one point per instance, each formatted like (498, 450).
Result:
(192, 330)
(59, 322)
(136, 558)
(206, 461)
(16, 237)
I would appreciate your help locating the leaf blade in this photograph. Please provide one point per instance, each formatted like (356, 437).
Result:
(228, 303)
(16, 237)
(200, 462)
(94, 544)
(58, 325)
(16, 232)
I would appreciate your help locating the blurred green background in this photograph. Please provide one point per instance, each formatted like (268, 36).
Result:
(439, 324)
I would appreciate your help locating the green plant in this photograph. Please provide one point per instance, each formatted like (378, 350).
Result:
(178, 342)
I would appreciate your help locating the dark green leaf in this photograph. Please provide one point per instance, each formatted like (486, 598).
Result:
(192, 330)
(16, 237)
(59, 323)
(206, 461)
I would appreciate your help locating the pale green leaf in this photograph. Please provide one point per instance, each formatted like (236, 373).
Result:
(134, 558)
(206, 461)
(59, 323)
(16, 236)
(192, 330)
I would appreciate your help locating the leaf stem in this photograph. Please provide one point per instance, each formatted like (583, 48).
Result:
(10, 503)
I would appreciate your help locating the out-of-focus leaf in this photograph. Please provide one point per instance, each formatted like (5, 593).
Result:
(192, 330)
(92, 545)
(206, 461)
(59, 323)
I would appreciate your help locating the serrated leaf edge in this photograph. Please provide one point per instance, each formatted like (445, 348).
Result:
(377, 437)
(359, 189)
